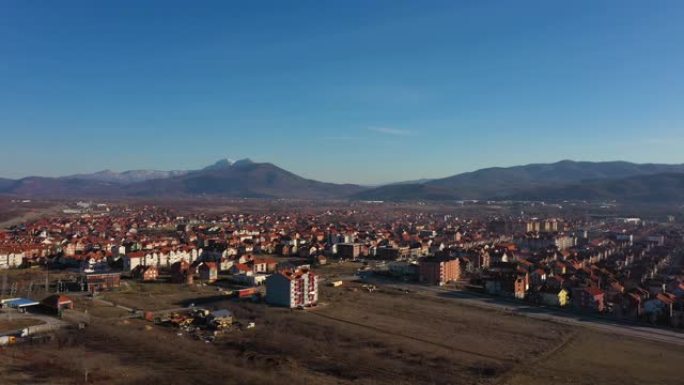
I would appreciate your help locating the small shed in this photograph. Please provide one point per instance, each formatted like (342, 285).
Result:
(58, 302)
(21, 304)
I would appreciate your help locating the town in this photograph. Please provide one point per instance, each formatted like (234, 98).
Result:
(341, 192)
(207, 275)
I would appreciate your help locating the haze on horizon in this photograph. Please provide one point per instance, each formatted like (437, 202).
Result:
(360, 92)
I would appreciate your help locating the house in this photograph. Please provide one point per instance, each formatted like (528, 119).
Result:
(677, 317)
(589, 298)
(180, 272)
(240, 269)
(95, 282)
(58, 302)
(555, 297)
(660, 307)
(538, 277)
(225, 264)
(283, 249)
(133, 260)
(208, 272)
(249, 280)
(520, 287)
(146, 273)
(264, 265)
(292, 289)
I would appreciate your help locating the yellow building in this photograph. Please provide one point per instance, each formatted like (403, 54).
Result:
(563, 298)
(555, 298)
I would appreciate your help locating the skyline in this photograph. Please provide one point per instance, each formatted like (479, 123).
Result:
(363, 93)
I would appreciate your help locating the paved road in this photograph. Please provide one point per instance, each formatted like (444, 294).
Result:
(51, 323)
(625, 328)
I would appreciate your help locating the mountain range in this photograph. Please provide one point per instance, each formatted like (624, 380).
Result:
(551, 181)
(564, 180)
(237, 179)
(131, 176)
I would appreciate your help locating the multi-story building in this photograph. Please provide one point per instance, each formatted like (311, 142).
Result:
(439, 270)
(348, 250)
(389, 253)
(10, 258)
(292, 288)
(542, 226)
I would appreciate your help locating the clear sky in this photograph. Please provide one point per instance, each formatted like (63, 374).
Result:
(343, 91)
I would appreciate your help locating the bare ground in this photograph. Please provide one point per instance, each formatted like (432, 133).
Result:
(354, 337)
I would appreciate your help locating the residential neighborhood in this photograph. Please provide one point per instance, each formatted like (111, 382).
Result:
(620, 267)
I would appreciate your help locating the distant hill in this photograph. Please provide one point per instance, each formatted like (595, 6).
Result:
(499, 182)
(236, 179)
(415, 181)
(6, 184)
(564, 180)
(126, 177)
(658, 188)
(62, 187)
(243, 179)
(402, 192)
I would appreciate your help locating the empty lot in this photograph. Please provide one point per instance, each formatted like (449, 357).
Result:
(354, 337)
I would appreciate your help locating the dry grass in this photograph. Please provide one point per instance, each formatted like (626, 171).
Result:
(98, 309)
(157, 295)
(597, 359)
(385, 337)
(7, 325)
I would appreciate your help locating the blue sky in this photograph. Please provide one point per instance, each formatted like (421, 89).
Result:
(343, 91)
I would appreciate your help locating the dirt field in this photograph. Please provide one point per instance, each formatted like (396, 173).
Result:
(158, 295)
(7, 325)
(354, 337)
(598, 359)
(98, 309)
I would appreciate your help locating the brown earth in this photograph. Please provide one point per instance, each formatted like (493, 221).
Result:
(384, 337)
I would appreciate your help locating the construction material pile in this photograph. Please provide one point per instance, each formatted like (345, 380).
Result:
(199, 323)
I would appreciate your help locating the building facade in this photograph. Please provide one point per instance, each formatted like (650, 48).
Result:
(292, 289)
(439, 271)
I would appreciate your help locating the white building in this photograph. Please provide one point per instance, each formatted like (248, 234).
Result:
(292, 289)
(11, 259)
